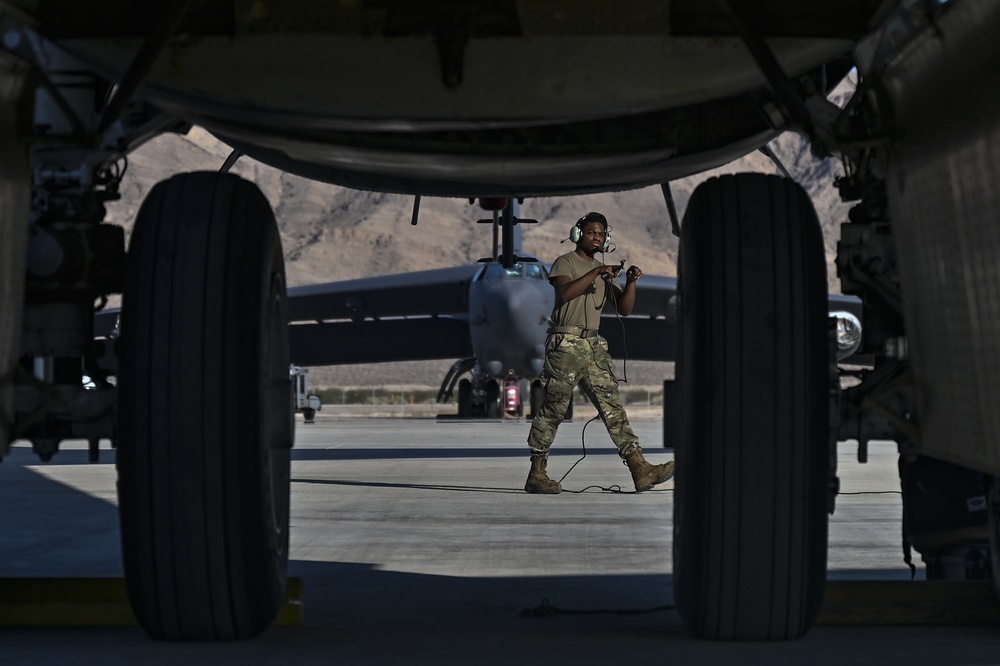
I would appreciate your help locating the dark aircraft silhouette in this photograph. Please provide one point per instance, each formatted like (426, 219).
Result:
(493, 314)
(504, 99)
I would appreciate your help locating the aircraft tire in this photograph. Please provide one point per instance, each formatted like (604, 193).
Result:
(492, 406)
(750, 513)
(206, 413)
(464, 398)
(536, 396)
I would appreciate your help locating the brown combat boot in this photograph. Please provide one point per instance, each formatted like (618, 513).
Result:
(538, 482)
(645, 475)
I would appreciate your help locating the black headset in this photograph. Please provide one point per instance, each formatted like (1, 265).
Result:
(576, 233)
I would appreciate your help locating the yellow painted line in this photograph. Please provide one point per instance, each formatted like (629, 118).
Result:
(934, 602)
(94, 602)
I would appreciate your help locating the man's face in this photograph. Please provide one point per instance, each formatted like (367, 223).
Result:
(593, 236)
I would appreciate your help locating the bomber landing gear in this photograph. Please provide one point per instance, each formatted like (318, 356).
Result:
(464, 398)
(491, 401)
(206, 420)
(537, 397)
(482, 397)
(750, 521)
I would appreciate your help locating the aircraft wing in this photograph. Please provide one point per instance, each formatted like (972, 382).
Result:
(650, 332)
(403, 317)
(423, 316)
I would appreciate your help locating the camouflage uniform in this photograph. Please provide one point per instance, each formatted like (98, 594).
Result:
(575, 355)
(572, 360)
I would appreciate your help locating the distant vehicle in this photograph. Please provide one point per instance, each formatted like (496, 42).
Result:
(303, 401)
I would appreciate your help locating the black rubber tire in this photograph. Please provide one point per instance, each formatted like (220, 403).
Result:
(750, 521)
(492, 405)
(206, 412)
(536, 396)
(464, 398)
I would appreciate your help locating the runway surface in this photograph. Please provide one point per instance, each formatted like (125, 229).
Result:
(416, 544)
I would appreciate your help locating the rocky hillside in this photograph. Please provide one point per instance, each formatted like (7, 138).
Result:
(331, 233)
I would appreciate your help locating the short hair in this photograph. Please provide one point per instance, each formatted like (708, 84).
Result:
(592, 217)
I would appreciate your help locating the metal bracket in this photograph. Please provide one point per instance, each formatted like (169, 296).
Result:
(815, 116)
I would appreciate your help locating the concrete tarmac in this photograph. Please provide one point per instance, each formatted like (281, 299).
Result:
(416, 544)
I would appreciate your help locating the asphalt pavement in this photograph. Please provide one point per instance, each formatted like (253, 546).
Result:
(415, 544)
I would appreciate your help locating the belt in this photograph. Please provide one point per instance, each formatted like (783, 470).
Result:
(574, 330)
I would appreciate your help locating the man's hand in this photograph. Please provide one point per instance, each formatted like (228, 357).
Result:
(608, 272)
(632, 274)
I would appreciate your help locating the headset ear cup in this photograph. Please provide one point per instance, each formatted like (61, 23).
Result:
(607, 240)
(575, 234)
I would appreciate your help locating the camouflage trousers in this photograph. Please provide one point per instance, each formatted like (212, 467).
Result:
(572, 361)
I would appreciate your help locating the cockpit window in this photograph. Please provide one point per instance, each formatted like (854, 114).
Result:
(534, 272)
(529, 270)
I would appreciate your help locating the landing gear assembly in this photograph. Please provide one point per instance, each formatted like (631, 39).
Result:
(762, 405)
(482, 396)
(192, 386)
